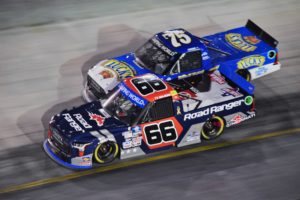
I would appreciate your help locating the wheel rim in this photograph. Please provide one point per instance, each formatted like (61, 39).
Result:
(106, 152)
(245, 74)
(213, 128)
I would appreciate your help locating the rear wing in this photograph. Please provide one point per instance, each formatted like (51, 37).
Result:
(263, 35)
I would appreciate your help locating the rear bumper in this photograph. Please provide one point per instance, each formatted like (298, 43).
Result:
(261, 71)
(50, 149)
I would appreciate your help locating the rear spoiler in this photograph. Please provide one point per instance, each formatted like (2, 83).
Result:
(263, 35)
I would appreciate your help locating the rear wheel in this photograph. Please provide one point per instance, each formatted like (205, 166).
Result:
(106, 152)
(212, 128)
(245, 74)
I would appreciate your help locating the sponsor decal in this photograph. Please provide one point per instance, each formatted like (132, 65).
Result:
(252, 39)
(136, 131)
(187, 94)
(72, 122)
(127, 134)
(193, 136)
(183, 76)
(132, 142)
(131, 96)
(162, 96)
(82, 121)
(106, 74)
(163, 47)
(250, 61)
(120, 68)
(126, 144)
(238, 119)
(261, 70)
(213, 110)
(205, 56)
(133, 137)
(246, 43)
(85, 161)
(230, 92)
(217, 78)
(178, 110)
(98, 118)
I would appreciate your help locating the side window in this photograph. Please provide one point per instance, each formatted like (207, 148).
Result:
(190, 61)
(162, 108)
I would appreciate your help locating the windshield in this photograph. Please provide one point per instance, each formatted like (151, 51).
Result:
(122, 108)
(153, 55)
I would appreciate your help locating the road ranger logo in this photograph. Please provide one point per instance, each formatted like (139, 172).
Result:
(122, 70)
(250, 61)
(82, 121)
(72, 122)
(236, 40)
(213, 110)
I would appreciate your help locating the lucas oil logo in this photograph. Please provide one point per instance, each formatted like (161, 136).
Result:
(250, 61)
(245, 44)
(122, 69)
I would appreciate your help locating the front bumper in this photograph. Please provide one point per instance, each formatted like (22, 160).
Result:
(92, 91)
(87, 95)
(84, 162)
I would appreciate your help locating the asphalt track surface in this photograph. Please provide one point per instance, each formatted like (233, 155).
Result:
(46, 48)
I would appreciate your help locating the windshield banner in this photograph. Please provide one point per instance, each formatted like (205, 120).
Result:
(141, 102)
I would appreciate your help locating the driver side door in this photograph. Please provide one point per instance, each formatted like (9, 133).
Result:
(159, 126)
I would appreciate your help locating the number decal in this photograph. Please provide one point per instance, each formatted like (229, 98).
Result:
(152, 134)
(163, 132)
(168, 132)
(147, 87)
(178, 37)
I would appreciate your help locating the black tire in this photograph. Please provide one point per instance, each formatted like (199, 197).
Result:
(213, 128)
(245, 74)
(106, 152)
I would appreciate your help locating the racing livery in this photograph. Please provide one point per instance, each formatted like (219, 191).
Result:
(177, 54)
(146, 114)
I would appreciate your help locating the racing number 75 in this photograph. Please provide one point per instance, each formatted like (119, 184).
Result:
(163, 132)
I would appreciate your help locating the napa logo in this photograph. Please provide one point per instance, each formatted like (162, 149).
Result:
(250, 61)
(245, 44)
(122, 69)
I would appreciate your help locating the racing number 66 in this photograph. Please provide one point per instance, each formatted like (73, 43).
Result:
(147, 87)
(158, 133)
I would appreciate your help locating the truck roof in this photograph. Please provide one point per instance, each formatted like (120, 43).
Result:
(193, 44)
(146, 88)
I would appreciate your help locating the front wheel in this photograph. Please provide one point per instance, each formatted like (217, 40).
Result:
(106, 152)
(212, 128)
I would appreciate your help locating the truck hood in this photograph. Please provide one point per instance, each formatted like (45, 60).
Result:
(108, 73)
(84, 120)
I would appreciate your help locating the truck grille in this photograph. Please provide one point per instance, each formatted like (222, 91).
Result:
(58, 141)
(95, 89)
